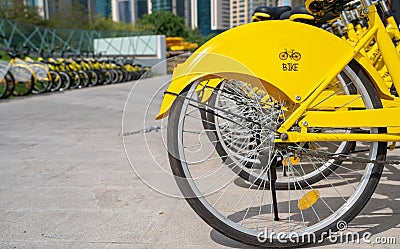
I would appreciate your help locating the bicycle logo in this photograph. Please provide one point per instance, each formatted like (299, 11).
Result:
(293, 55)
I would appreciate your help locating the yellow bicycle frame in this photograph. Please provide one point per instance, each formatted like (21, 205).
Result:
(363, 118)
(354, 32)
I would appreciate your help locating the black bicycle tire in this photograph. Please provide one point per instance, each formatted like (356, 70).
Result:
(197, 205)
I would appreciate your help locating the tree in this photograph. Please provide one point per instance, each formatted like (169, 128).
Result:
(17, 11)
(100, 23)
(168, 24)
(194, 35)
(163, 23)
(74, 16)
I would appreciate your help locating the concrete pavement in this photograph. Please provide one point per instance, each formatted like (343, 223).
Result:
(65, 181)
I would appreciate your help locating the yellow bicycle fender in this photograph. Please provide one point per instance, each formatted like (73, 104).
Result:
(289, 56)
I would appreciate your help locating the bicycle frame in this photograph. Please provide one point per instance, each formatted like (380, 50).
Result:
(300, 88)
(353, 119)
(354, 32)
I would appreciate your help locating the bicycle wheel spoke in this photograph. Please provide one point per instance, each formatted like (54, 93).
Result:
(250, 181)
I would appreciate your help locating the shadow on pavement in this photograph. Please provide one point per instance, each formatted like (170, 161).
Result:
(377, 217)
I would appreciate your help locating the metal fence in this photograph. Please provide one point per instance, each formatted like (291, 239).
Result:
(45, 39)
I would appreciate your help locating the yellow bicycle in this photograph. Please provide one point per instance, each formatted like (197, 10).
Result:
(24, 76)
(277, 149)
(6, 80)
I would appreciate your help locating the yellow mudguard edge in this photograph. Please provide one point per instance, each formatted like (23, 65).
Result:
(177, 85)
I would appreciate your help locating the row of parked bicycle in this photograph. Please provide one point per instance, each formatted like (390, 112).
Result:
(23, 75)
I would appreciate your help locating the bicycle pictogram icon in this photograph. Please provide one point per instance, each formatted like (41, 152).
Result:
(292, 54)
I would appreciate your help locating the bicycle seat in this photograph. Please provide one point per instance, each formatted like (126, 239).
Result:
(285, 15)
(301, 14)
(12, 54)
(301, 9)
(269, 13)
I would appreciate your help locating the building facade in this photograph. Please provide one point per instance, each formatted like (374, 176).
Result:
(161, 5)
(239, 10)
(242, 10)
(201, 16)
(102, 8)
(220, 14)
(128, 11)
(48, 8)
(209, 16)
(125, 11)
(182, 8)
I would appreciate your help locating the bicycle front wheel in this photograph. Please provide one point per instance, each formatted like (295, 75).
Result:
(3, 86)
(62, 81)
(11, 85)
(75, 80)
(56, 81)
(43, 78)
(93, 78)
(252, 210)
(84, 77)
